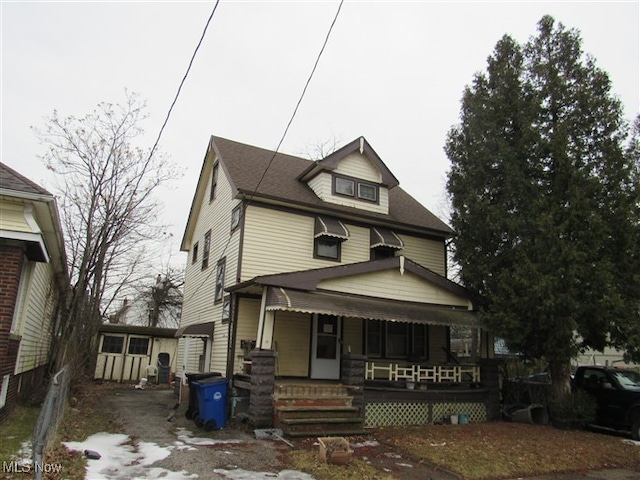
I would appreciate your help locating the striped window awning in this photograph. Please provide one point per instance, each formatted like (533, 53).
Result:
(384, 237)
(330, 227)
(279, 298)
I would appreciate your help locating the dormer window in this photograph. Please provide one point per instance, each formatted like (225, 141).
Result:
(344, 186)
(352, 187)
(368, 192)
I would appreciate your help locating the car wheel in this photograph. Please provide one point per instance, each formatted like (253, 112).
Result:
(635, 428)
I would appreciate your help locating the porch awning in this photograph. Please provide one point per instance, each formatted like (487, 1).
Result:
(383, 237)
(375, 309)
(197, 330)
(330, 227)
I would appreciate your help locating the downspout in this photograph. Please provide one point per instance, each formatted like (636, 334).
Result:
(233, 332)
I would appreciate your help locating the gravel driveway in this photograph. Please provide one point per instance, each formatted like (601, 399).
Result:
(143, 415)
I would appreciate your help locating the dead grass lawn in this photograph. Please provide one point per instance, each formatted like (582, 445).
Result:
(511, 450)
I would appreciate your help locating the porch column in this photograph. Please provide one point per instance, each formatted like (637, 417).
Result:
(352, 372)
(490, 379)
(265, 324)
(263, 374)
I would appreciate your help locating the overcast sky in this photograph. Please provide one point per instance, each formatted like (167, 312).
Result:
(393, 72)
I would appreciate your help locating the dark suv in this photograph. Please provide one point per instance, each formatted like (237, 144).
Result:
(617, 393)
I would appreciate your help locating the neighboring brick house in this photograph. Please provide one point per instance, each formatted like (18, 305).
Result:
(33, 276)
(324, 269)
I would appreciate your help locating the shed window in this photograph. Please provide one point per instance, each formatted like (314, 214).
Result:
(112, 344)
(138, 346)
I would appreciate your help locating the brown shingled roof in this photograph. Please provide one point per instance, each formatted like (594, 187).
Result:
(12, 180)
(245, 164)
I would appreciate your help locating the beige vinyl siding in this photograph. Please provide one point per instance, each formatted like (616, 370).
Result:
(219, 349)
(437, 340)
(200, 284)
(247, 329)
(291, 342)
(277, 241)
(352, 335)
(196, 348)
(35, 317)
(394, 285)
(428, 253)
(321, 185)
(12, 217)
(359, 166)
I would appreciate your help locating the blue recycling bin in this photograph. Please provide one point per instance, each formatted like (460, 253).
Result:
(212, 403)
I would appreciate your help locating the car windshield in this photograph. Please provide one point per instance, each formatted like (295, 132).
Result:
(627, 379)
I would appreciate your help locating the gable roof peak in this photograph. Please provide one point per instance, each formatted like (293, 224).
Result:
(360, 145)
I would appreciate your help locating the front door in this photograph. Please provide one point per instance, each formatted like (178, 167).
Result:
(325, 347)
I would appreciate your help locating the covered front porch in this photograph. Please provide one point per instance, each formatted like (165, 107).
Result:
(372, 339)
(356, 400)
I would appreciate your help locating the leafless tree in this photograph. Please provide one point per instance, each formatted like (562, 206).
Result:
(105, 185)
(164, 299)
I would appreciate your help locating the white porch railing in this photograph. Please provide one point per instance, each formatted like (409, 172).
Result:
(419, 373)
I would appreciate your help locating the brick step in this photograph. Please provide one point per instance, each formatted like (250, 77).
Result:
(322, 429)
(310, 390)
(325, 414)
(296, 401)
(316, 408)
(319, 420)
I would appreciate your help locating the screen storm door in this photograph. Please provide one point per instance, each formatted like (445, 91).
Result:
(325, 347)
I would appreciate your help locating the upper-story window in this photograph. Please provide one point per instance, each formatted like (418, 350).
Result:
(235, 218)
(352, 187)
(327, 247)
(220, 280)
(206, 249)
(194, 257)
(214, 182)
(329, 233)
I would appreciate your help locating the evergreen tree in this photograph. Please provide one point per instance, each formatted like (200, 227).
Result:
(543, 200)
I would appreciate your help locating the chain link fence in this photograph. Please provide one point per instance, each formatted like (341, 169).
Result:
(50, 415)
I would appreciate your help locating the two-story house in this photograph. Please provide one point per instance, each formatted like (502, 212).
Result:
(33, 278)
(308, 277)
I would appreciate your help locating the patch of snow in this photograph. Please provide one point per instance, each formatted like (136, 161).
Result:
(368, 443)
(24, 455)
(240, 474)
(187, 437)
(632, 442)
(120, 459)
(406, 465)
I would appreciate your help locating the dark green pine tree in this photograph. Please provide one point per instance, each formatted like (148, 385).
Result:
(542, 201)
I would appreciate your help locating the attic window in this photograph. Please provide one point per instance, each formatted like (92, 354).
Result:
(352, 187)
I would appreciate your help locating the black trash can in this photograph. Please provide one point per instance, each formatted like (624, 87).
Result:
(192, 411)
